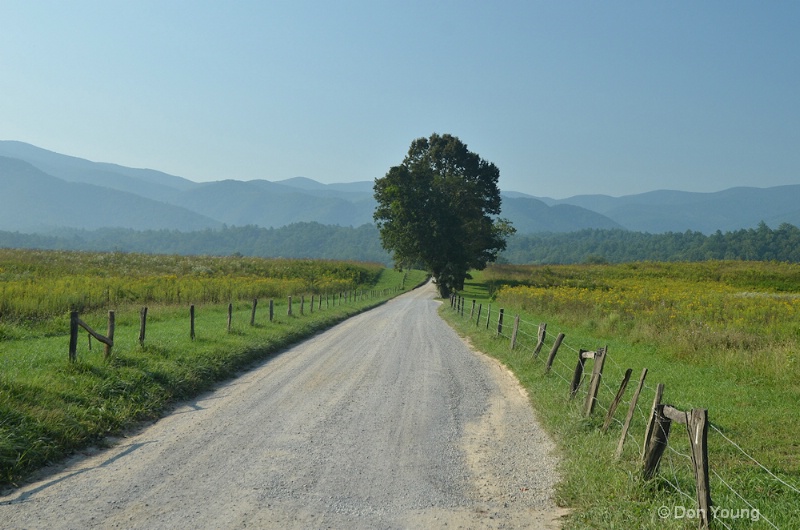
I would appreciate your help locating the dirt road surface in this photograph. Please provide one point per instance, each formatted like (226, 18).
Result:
(388, 420)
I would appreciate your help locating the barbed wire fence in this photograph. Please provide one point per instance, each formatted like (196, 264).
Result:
(676, 465)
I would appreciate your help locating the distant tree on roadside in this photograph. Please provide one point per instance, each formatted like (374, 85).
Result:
(438, 208)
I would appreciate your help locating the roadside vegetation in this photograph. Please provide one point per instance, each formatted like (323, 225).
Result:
(50, 407)
(720, 335)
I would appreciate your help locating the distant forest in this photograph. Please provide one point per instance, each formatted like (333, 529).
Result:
(299, 240)
(618, 246)
(314, 240)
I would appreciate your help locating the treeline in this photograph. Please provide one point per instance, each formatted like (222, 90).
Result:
(318, 241)
(619, 246)
(299, 240)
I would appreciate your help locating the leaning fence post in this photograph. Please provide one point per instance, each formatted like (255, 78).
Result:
(614, 404)
(629, 417)
(271, 309)
(142, 325)
(657, 443)
(478, 320)
(73, 336)
(514, 332)
(553, 351)
(650, 424)
(488, 315)
(230, 316)
(578, 374)
(542, 335)
(253, 313)
(594, 383)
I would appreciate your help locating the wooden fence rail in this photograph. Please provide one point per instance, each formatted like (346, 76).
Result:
(75, 322)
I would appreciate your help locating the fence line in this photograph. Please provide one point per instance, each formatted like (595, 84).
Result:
(76, 323)
(522, 341)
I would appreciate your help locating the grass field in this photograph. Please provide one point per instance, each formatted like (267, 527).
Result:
(50, 407)
(722, 336)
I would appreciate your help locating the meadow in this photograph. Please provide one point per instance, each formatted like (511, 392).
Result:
(50, 407)
(723, 336)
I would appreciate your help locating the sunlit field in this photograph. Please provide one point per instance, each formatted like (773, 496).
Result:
(723, 336)
(743, 314)
(50, 407)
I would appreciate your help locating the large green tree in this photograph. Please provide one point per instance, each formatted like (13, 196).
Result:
(438, 209)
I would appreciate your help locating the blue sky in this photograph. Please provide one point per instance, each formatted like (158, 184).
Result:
(566, 97)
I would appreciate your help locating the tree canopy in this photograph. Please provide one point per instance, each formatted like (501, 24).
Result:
(438, 209)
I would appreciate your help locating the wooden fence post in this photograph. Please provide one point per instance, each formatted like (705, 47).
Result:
(594, 383)
(230, 316)
(614, 404)
(578, 374)
(142, 325)
(553, 351)
(698, 437)
(631, 409)
(289, 311)
(697, 429)
(478, 319)
(253, 312)
(109, 335)
(191, 321)
(514, 332)
(488, 315)
(472, 311)
(500, 322)
(73, 336)
(541, 337)
(302, 305)
(651, 423)
(311, 306)
(75, 322)
(658, 442)
(271, 309)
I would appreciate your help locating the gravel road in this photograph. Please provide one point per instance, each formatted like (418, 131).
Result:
(388, 420)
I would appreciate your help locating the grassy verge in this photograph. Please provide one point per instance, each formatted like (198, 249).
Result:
(50, 407)
(746, 408)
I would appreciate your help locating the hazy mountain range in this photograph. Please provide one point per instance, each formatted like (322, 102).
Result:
(41, 191)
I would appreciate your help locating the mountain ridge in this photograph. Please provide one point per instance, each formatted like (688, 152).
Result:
(110, 194)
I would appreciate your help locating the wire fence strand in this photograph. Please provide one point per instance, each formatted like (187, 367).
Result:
(526, 342)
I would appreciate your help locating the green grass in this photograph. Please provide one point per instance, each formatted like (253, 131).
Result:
(756, 412)
(50, 407)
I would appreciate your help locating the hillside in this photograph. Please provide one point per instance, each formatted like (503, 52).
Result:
(33, 201)
(531, 215)
(66, 191)
(677, 211)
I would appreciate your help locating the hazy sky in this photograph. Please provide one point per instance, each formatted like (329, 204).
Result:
(565, 97)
